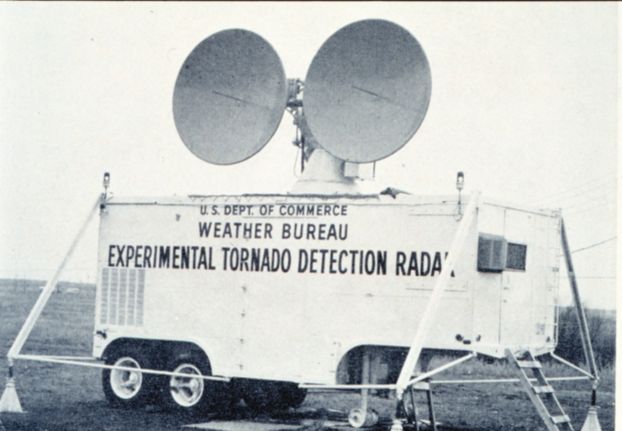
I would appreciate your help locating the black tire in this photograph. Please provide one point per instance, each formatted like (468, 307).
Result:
(262, 396)
(127, 388)
(192, 396)
(269, 396)
(291, 395)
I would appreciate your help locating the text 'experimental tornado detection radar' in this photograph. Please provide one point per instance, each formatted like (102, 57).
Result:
(365, 95)
(367, 91)
(229, 97)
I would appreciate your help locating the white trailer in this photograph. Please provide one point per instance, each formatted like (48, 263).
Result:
(202, 300)
(287, 288)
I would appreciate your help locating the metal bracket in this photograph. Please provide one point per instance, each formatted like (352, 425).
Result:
(430, 311)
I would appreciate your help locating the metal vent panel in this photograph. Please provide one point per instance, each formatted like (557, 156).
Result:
(140, 297)
(122, 296)
(122, 305)
(131, 299)
(103, 301)
(491, 253)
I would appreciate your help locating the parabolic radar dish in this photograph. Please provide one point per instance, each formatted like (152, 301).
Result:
(367, 91)
(229, 97)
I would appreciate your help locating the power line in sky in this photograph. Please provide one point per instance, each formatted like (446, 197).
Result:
(610, 205)
(593, 245)
(596, 183)
(585, 201)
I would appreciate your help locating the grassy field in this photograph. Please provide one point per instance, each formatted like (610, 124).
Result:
(60, 397)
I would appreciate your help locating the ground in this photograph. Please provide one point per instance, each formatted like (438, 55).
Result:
(62, 397)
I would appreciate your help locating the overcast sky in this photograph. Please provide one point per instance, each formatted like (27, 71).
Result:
(524, 101)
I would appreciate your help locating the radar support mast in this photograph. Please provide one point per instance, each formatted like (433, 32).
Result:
(320, 172)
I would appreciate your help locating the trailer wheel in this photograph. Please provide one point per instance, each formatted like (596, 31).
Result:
(269, 396)
(291, 395)
(192, 395)
(262, 396)
(127, 388)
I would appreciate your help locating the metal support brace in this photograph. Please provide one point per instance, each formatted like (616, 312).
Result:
(591, 422)
(506, 380)
(413, 405)
(431, 410)
(426, 321)
(33, 316)
(365, 380)
(586, 341)
(68, 360)
(571, 365)
(363, 416)
(427, 375)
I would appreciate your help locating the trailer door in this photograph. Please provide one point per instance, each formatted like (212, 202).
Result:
(271, 328)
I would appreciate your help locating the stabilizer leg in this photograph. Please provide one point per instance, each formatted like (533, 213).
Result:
(399, 412)
(591, 421)
(9, 402)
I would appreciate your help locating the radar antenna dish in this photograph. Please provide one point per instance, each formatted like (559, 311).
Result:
(229, 97)
(367, 91)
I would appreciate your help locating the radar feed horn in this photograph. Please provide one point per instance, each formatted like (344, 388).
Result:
(367, 91)
(229, 97)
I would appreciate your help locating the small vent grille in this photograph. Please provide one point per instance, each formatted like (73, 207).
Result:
(491, 253)
(122, 296)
